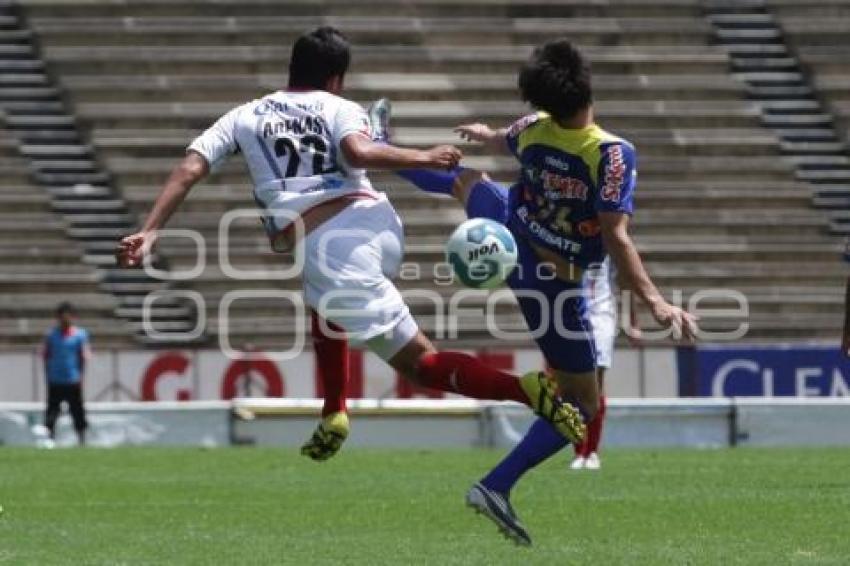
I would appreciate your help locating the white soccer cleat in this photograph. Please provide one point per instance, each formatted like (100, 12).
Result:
(379, 114)
(578, 463)
(497, 507)
(592, 462)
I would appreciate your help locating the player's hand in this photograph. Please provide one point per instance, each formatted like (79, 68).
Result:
(475, 132)
(683, 324)
(444, 157)
(634, 335)
(132, 249)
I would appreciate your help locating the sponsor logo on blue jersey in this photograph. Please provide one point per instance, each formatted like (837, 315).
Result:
(615, 173)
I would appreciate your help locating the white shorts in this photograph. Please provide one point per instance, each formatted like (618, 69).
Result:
(602, 312)
(604, 323)
(349, 261)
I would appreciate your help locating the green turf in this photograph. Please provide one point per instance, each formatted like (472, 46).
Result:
(262, 506)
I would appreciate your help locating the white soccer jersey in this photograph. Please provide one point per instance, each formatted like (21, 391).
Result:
(291, 143)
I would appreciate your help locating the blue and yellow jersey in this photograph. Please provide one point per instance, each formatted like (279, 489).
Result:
(568, 176)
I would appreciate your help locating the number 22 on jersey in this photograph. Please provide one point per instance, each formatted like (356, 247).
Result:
(304, 156)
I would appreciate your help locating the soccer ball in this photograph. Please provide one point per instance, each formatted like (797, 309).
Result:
(482, 253)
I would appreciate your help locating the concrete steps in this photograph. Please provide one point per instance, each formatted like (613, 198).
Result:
(806, 128)
(48, 140)
(733, 146)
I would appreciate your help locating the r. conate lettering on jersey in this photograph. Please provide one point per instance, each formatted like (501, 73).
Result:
(564, 244)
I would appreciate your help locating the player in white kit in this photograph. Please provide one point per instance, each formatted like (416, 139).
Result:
(602, 313)
(307, 151)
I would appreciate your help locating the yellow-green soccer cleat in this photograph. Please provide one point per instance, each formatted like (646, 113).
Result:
(546, 404)
(328, 437)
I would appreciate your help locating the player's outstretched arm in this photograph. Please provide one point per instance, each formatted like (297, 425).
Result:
(495, 140)
(133, 248)
(625, 256)
(363, 153)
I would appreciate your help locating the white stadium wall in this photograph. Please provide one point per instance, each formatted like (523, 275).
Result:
(173, 375)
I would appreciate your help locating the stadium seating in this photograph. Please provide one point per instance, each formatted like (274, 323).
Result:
(39, 266)
(61, 168)
(718, 204)
(819, 32)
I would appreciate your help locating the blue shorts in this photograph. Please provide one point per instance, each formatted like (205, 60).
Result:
(555, 310)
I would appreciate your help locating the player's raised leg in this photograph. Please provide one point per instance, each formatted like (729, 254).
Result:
(457, 372)
(350, 283)
(458, 182)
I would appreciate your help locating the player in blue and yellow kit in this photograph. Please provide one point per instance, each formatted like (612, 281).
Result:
(570, 206)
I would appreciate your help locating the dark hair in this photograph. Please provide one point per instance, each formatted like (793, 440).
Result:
(557, 80)
(317, 56)
(65, 308)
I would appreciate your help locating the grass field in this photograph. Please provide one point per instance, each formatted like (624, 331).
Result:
(262, 506)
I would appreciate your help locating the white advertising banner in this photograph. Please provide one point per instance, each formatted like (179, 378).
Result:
(182, 375)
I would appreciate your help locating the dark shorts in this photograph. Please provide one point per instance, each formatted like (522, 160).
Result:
(555, 310)
(70, 393)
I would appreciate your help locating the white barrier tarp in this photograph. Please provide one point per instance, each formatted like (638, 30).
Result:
(425, 423)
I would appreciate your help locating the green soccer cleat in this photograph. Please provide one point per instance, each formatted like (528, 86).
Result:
(546, 404)
(328, 437)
